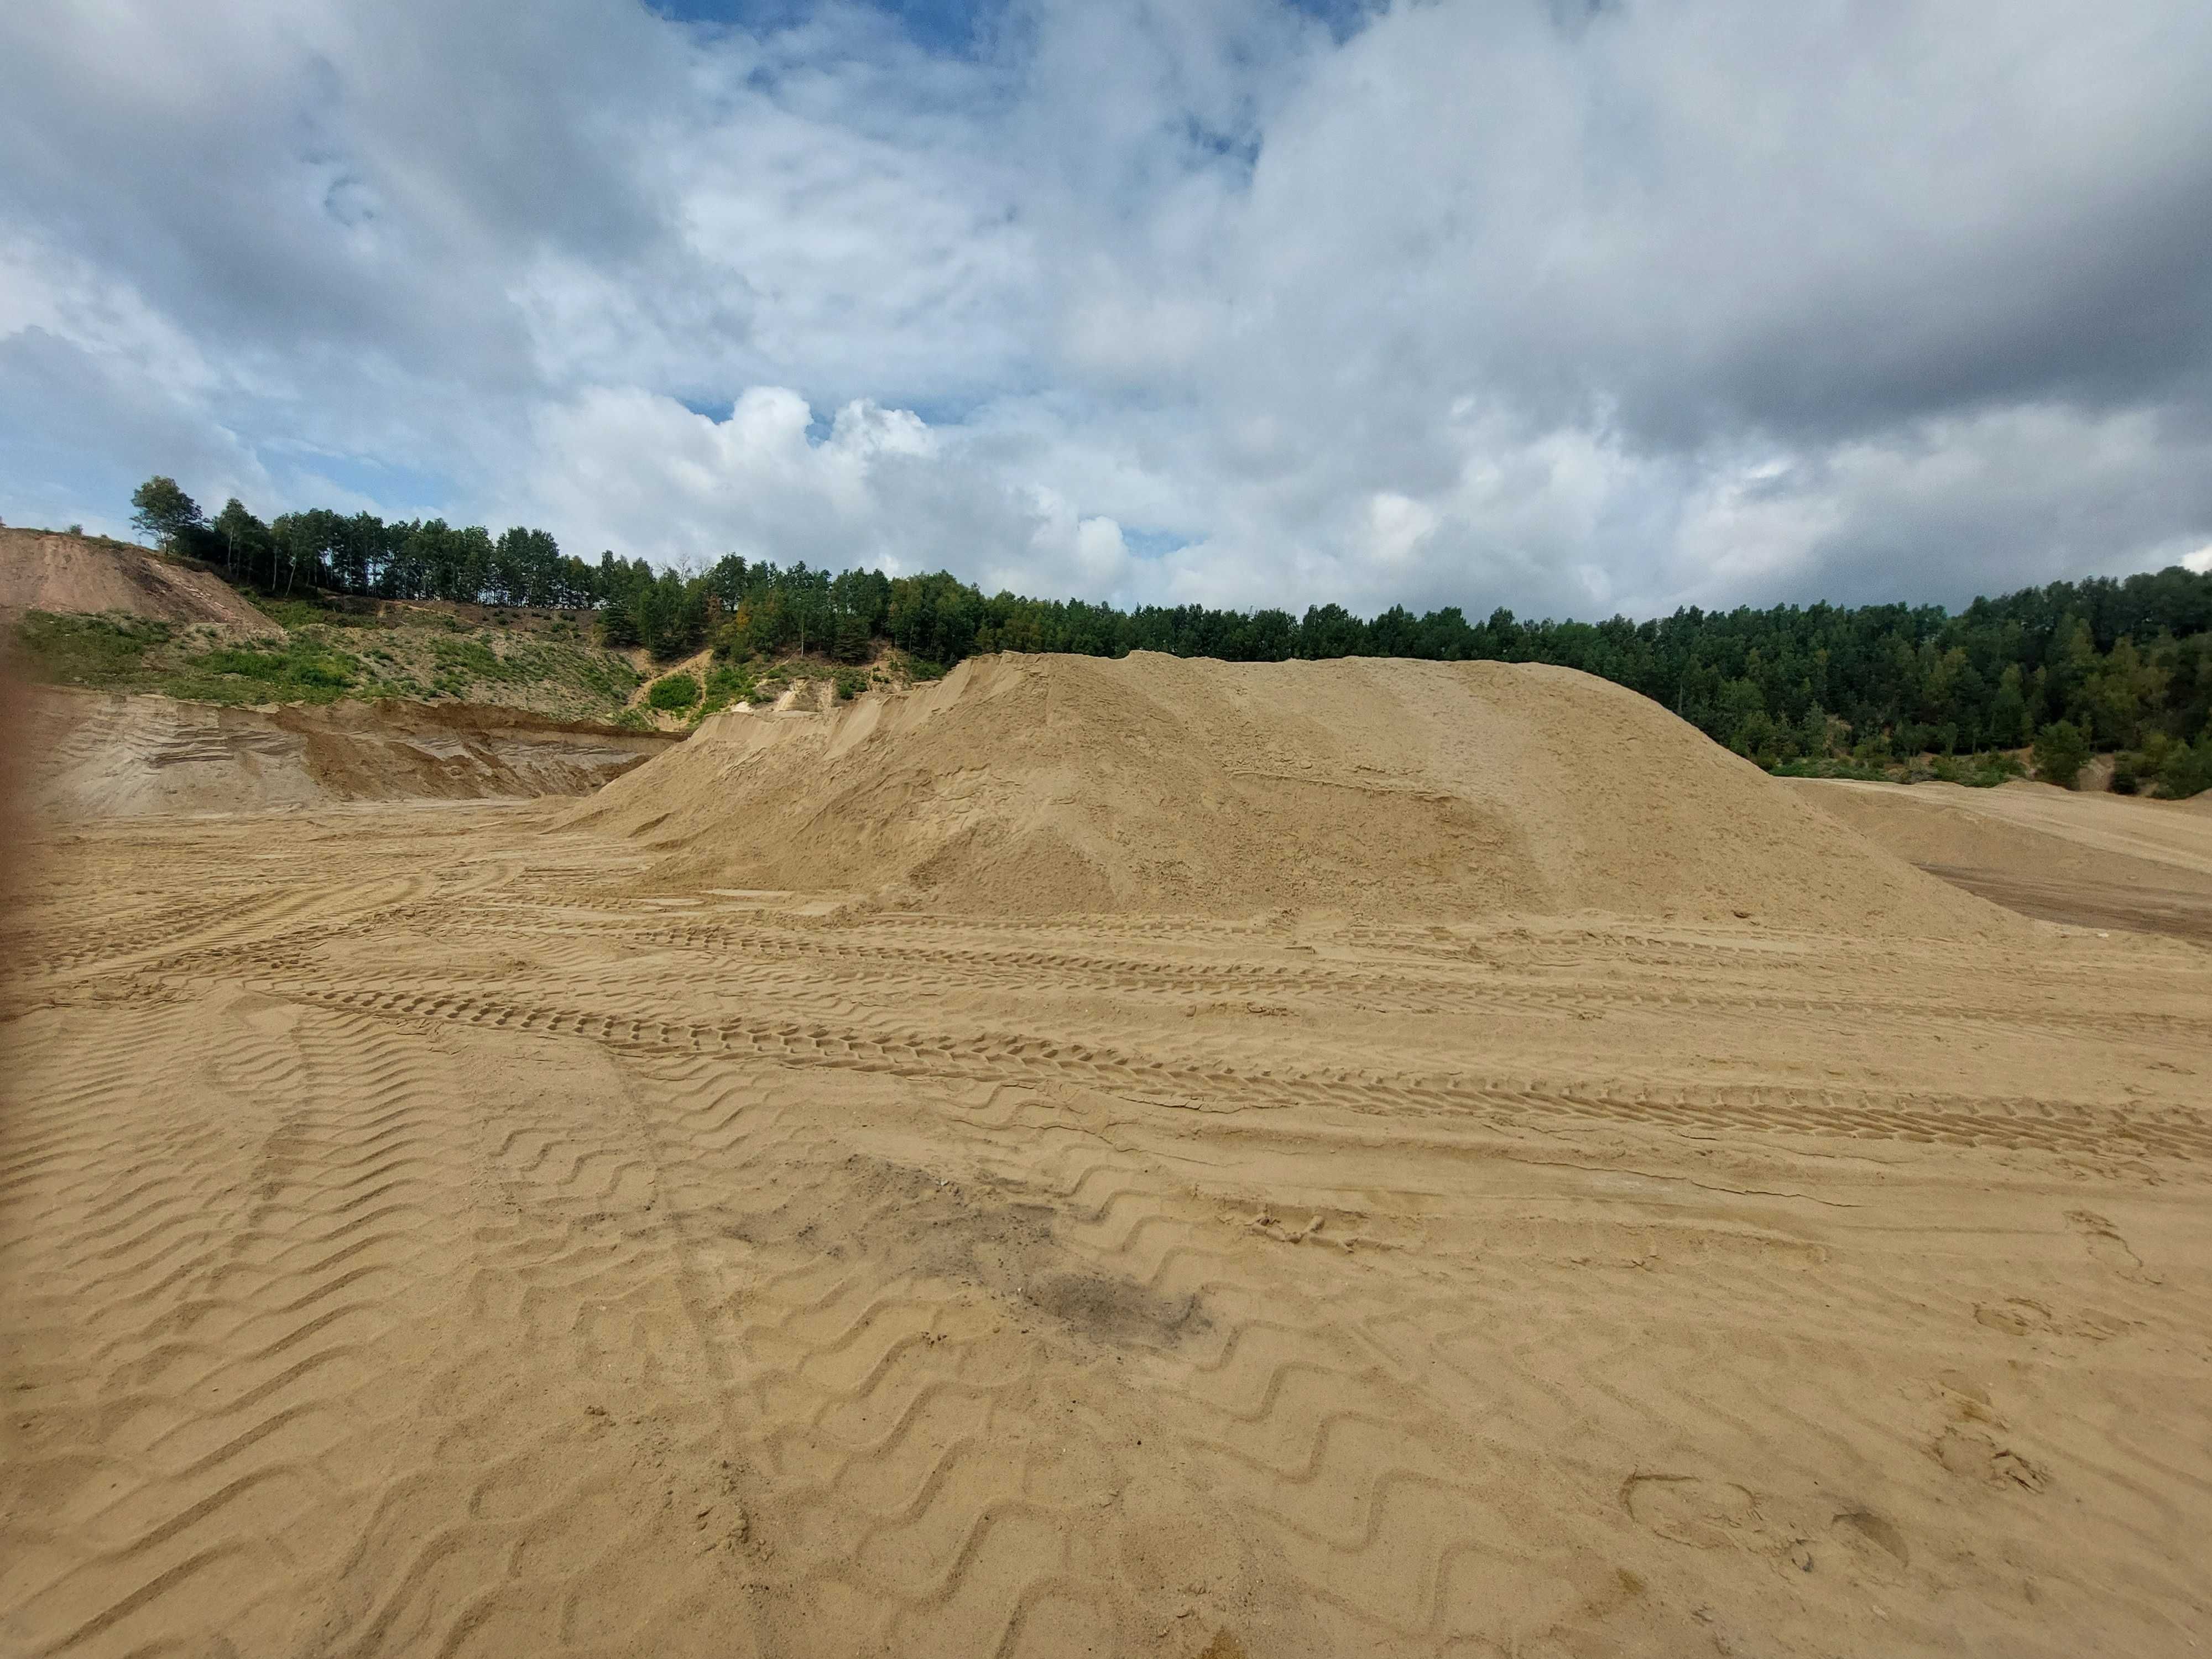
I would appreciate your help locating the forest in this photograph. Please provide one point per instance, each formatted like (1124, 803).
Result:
(2122, 667)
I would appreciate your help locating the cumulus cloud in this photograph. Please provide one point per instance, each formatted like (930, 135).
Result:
(1566, 308)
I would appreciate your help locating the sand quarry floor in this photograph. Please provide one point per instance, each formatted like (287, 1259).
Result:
(418, 1236)
(2095, 861)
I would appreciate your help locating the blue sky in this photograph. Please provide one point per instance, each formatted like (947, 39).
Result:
(1570, 306)
(940, 26)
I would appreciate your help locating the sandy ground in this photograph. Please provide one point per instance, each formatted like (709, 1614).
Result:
(415, 1240)
(2100, 860)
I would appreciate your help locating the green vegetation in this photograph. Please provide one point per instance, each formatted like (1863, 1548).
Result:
(295, 671)
(2061, 751)
(309, 613)
(165, 512)
(672, 693)
(106, 652)
(324, 655)
(728, 683)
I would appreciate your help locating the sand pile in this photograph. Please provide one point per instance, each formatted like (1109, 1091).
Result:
(108, 756)
(1028, 785)
(42, 571)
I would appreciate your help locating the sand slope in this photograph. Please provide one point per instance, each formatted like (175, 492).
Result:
(96, 755)
(43, 571)
(1036, 785)
(409, 1248)
(2097, 860)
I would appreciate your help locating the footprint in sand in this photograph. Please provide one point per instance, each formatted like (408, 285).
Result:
(2019, 1317)
(1873, 1542)
(1974, 1456)
(2015, 1316)
(1706, 1515)
(2105, 1244)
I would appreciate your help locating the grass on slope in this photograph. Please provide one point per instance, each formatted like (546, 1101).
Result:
(322, 655)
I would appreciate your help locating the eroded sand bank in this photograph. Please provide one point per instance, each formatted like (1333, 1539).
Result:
(92, 757)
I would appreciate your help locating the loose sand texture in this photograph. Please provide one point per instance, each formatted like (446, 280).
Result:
(1044, 785)
(2097, 860)
(40, 570)
(98, 756)
(425, 1231)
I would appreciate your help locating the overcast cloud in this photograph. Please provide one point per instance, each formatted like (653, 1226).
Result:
(1575, 305)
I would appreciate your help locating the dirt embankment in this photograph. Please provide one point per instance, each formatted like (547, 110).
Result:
(41, 570)
(108, 756)
(1030, 785)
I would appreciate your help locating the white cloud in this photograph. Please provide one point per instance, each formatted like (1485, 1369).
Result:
(1732, 303)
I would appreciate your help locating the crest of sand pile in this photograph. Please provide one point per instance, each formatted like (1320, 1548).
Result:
(42, 571)
(1039, 784)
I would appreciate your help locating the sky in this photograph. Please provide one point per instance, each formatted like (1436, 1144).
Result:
(1576, 307)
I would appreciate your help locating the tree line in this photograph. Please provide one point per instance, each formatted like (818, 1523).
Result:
(2118, 666)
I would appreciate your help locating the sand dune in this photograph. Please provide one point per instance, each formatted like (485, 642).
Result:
(428, 1230)
(1052, 785)
(104, 756)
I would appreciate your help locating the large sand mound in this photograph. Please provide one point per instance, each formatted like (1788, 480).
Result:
(42, 571)
(1042, 785)
(108, 756)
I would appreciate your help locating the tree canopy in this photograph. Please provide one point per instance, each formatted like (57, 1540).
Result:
(164, 512)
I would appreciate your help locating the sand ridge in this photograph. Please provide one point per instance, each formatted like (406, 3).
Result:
(1041, 785)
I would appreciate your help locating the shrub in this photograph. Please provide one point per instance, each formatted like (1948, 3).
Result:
(727, 684)
(2060, 752)
(308, 613)
(1995, 769)
(676, 691)
(850, 684)
(1831, 768)
(2186, 768)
